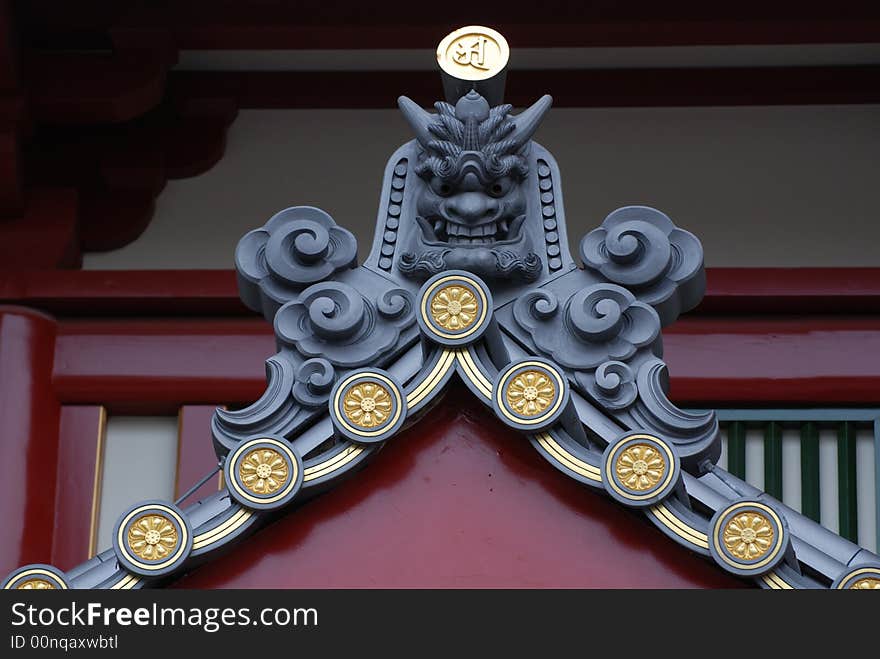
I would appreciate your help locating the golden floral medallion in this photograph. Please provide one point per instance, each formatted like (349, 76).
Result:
(749, 535)
(367, 405)
(454, 308)
(640, 467)
(152, 536)
(263, 470)
(531, 392)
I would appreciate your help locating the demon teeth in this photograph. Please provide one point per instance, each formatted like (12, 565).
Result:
(474, 233)
(465, 234)
(469, 240)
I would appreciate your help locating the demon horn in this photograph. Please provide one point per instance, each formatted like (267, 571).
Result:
(527, 121)
(417, 118)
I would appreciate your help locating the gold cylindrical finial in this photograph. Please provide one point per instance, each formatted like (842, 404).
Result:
(473, 57)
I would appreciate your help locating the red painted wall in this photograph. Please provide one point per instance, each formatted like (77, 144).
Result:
(458, 500)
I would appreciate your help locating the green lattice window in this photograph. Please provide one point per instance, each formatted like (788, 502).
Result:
(824, 463)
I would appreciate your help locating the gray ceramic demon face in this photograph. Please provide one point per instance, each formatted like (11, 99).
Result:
(472, 206)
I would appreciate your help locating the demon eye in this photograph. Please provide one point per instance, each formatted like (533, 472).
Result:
(440, 187)
(500, 187)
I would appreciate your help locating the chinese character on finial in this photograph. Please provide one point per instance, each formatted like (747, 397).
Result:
(473, 57)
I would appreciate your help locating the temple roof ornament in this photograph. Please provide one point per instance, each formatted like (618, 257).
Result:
(470, 276)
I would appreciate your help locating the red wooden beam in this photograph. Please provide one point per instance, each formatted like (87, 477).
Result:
(553, 23)
(213, 292)
(317, 24)
(777, 360)
(671, 87)
(141, 292)
(155, 366)
(29, 414)
(791, 291)
(251, 35)
(78, 485)
(160, 364)
(166, 362)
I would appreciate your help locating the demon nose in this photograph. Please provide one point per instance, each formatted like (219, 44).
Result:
(470, 207)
